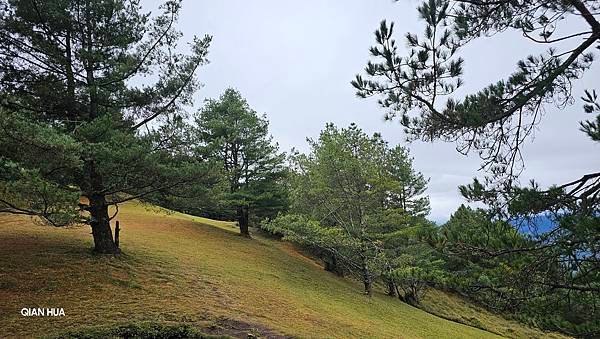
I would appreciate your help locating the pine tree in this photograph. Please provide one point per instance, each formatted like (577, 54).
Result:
(73, 121)
(419, 88)
(350, 195)
(230, 132)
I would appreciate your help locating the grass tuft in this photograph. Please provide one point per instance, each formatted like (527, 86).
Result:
(145, 330)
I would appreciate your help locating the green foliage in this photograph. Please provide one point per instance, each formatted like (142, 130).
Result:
(418, 87)
(510, 264)
(228, 131)
(358, 200)
(469, 226)
(508, 271)
(591, 127)
(71, 115)
(415, 271)
(36, 189)
(148, 330)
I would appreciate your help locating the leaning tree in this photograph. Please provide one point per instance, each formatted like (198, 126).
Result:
(80, 128)
(419, 88)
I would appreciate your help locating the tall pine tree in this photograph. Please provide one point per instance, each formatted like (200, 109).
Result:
(230, 132)
(73, 122)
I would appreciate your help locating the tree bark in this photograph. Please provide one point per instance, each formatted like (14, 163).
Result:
(333, 266)
(411, 298)
(398, 293)
(117, 230)
(242, 215)
(391, 288)
(71, 101)
(339, 269)
(100, 223)
(367, 281)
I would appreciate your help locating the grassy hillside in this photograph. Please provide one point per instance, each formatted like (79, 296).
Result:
(182, 269)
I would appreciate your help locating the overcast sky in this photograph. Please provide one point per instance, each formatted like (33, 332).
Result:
(294, 61)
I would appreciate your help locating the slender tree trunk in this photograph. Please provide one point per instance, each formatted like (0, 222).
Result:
(98, 209)
(391, 285)
(242, 215)
(117, 231)
(411, 296)
(71, 103)
(92, 182)
(339, 269)
(367, 280)
(411, 299)
(391, 288)
(329, 265)
(100, 223)
(400, 296)
(332, 265)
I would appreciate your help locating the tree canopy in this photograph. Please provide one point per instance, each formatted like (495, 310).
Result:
(73, 121)
(230, 132)
(560, 260)
(353, 195)
(419, 87)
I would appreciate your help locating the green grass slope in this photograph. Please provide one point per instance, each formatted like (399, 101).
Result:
(182, 269)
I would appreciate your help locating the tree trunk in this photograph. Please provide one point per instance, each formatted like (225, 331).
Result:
(391, 284)
(367, 281)
(411, 299)
(399, 294)
(412, 296)
(333, 266)
(100, 223)
(391, 288)
(339, 269)
(117, 230)
(242, 215)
